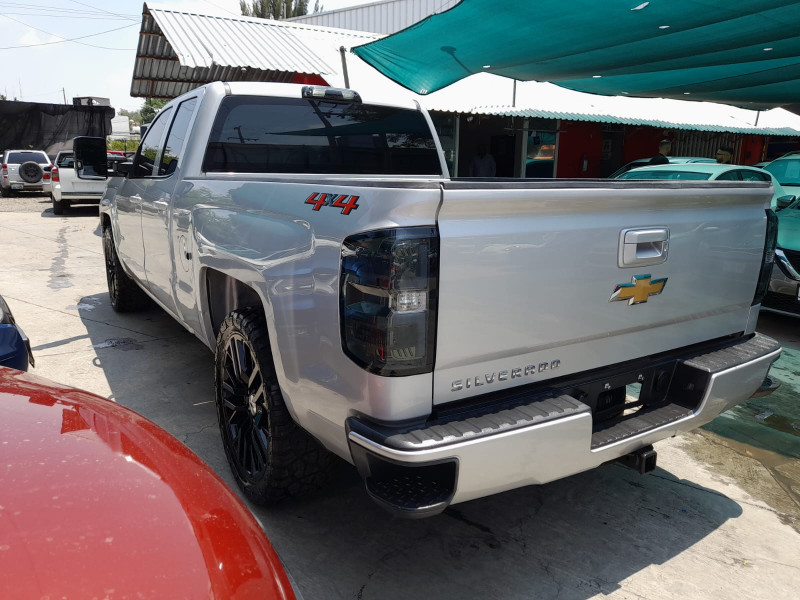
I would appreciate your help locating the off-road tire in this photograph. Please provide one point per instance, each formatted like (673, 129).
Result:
(59, 208)
(125, 295)
(271, 457)
(31, 172)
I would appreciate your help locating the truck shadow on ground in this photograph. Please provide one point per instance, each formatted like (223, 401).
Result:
(571, 539)
(73, 212)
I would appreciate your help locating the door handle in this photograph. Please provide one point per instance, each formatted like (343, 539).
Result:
(643, 247)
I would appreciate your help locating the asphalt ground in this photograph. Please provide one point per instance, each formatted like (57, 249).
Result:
(719, 518)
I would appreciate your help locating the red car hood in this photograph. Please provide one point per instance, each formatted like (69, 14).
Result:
(97, 501)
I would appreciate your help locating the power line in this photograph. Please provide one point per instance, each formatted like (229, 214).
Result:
(83, 37)
(70, 16)
(61, 9)
(98, 8)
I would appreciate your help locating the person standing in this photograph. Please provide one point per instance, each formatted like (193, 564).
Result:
(664, 148)
(482, 164)
(725, 155)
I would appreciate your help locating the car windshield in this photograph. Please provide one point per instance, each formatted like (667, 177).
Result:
(664, 174)
(787, 172)
(17, 158)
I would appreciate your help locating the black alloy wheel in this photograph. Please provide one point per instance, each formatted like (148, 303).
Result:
(272, 458)
(125, 294)
(243, 410)
(112, 268)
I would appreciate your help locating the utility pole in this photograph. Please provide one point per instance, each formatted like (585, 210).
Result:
(64, 94)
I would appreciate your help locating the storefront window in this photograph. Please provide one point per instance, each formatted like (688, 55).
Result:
(541, 155)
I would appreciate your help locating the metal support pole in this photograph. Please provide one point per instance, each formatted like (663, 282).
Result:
(456, 143)
(523, 145)
(758, 114)
(64, 94)
(514, 96)
(343, 52)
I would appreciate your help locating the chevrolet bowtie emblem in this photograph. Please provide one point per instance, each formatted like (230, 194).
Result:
(638, 290)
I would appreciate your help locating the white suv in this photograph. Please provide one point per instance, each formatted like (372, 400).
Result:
(25, 170)
(68, 189)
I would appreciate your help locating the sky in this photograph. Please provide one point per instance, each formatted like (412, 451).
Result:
(39, 66)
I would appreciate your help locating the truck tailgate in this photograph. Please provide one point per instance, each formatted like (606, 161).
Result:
(537, 281)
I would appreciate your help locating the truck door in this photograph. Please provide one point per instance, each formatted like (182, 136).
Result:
(161, 265)
(131, 193)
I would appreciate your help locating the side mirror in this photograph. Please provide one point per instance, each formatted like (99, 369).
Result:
(90, 157)
(784, 201)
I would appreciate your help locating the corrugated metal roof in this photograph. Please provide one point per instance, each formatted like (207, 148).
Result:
(474, 95)
(387, 16)
(179, 51)
(507, 111)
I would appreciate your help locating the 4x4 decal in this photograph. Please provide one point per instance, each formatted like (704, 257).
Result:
(343, 201)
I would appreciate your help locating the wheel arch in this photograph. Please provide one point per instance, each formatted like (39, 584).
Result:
(224, 294)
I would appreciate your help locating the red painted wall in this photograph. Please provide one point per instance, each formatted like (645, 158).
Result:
(641, 142)
(575, 140)
(752, 147)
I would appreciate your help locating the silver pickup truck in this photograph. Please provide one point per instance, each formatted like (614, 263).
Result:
(452, 338)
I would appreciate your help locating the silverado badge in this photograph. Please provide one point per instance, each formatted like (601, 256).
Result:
(638, 290)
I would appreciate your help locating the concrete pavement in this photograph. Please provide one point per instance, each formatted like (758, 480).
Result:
(711, 522)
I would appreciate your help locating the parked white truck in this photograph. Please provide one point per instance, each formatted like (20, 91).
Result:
(452, 338)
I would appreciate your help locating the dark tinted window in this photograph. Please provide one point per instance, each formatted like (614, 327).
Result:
(17, 158)
(279, 135)
(177, 134)
(148, 149)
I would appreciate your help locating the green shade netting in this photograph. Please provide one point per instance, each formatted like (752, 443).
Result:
(741, 52)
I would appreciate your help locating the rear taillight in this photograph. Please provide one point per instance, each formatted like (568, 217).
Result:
(5, 170)
(768, 258)
(389, 294)
(54, 174)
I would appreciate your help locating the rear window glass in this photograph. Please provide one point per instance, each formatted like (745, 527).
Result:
(65, 161)
(16, 158)
(787, 172)
(663, 174)
(280, 135)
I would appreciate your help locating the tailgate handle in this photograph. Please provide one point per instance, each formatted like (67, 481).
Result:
(643, 247)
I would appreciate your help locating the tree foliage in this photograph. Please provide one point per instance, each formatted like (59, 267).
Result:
(274, 9)
(150, 108)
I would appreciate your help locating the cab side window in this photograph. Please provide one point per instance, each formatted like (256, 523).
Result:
(173, 149)
(150, 148)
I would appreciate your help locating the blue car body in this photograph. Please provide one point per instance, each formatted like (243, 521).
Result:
(15, 348)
